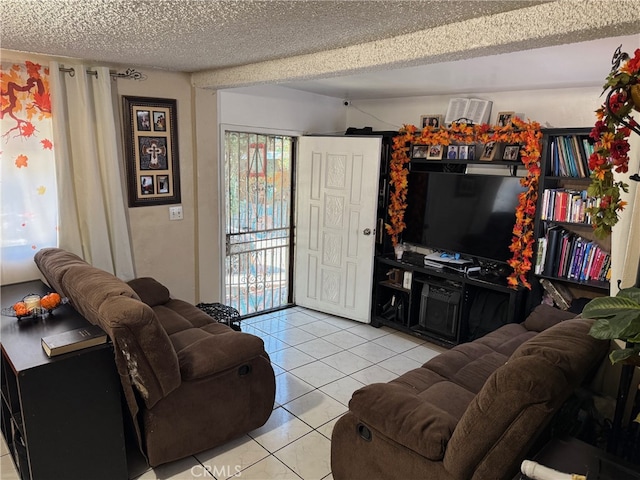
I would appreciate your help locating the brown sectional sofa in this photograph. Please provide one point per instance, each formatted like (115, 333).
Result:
(472, 412)
(190, 383)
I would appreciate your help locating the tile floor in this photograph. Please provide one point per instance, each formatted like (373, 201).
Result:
(319, 360)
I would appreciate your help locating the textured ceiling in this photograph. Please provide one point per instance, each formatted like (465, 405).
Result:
(349, 48)
(195, 35)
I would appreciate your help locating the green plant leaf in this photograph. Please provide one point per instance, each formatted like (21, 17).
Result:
(607, 307)
(632, 293)
(620, 355)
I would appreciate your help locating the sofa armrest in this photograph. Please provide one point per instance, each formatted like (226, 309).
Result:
(404, 417)
(213, 353)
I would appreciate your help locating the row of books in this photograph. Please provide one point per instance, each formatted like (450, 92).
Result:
(564, 254)
(566, 205)
(570, 156)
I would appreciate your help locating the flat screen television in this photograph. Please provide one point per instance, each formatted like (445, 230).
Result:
(462, 213)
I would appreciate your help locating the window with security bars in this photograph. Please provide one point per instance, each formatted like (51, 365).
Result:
(258, 201)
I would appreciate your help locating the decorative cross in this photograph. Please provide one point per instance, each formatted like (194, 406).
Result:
(154, 151)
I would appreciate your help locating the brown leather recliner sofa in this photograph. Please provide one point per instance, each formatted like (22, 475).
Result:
(472, 412)
(190, 382)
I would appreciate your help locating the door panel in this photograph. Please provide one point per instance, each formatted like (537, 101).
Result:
(336, 199)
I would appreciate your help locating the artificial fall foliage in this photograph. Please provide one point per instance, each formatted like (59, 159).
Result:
(611, 151)
(526, 134)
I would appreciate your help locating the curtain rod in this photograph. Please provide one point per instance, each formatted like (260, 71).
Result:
(130, 73)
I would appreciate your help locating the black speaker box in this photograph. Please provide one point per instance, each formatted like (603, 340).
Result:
(439, 310)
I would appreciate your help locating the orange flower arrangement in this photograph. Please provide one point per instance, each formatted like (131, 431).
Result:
(525, 133)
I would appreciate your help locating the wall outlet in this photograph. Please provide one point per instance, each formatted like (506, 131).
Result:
(175, 213)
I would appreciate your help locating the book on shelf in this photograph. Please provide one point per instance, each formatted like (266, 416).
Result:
(565, 255)
(73, 340)
(566, 205)
(561, 295)
(474, 109)
(569, 156)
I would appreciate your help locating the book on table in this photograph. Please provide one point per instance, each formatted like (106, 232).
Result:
(73, 340)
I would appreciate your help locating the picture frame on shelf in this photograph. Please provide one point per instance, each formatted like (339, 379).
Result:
(511, 153)
(419, 151)
(435, 152)
(151, 145)
(433, 121)
(489, 152)
(452, 152)
(505, 118)
(463, 152)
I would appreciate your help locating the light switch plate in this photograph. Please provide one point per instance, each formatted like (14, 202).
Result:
(175, 213)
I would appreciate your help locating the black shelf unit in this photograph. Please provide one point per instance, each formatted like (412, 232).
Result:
(61, 417)
(456, 293)
(549, 179)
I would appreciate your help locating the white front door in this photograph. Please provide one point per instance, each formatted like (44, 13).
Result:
(336, 195)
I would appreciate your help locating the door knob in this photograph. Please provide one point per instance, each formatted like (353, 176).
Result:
(367, 231)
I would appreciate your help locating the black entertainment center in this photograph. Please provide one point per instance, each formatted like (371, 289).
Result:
(443, 305)
(470, 215)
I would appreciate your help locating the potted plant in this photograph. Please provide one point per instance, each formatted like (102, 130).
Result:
(618, 318)
(610, 133)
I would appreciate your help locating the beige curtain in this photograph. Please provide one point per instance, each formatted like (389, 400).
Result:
(92, 214)
(625, 239)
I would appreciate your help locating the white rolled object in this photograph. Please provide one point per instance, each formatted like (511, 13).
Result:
(535, 471)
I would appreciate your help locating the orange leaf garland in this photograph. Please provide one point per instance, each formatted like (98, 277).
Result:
(526, 134)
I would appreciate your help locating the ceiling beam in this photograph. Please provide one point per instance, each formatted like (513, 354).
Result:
(554, 23)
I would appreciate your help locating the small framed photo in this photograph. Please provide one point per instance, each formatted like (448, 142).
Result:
(151, 141)
(435, 152)
(504, 118)
(511, 152)
(463, 152)
(433, 121)
(419, 151)
(489, 151)
(452, 152)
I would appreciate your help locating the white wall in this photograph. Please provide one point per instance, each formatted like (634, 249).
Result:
(567, 107)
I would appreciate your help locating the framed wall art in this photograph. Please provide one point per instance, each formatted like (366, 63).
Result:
(151, 143)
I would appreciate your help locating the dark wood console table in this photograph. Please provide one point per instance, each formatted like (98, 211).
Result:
(61, 416)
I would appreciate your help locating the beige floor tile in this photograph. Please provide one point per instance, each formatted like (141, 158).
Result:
(320, 328)
(368, 332)
(347, 362)
(317, 373)
(400, 364)
(316, 408)
(269, 468)
(231, 457)
(342, 389)
(184, 469)
(290, 358)
(398, 343)
(345, 339)
(374, 374)
(289, 387)
(373, 352)
(297, 318)
(294, 336)
(319, 348)
(327, 428)
(424, 353)
(281, 429)
(7, 468)
(309, 456)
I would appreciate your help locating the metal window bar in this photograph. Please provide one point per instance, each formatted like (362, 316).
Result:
(258, 226)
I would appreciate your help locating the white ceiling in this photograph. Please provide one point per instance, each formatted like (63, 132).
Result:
(476, 45)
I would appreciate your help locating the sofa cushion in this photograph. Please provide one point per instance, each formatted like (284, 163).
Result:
(201, 353)
(404, 417)
(150, 291)
(545, 316)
